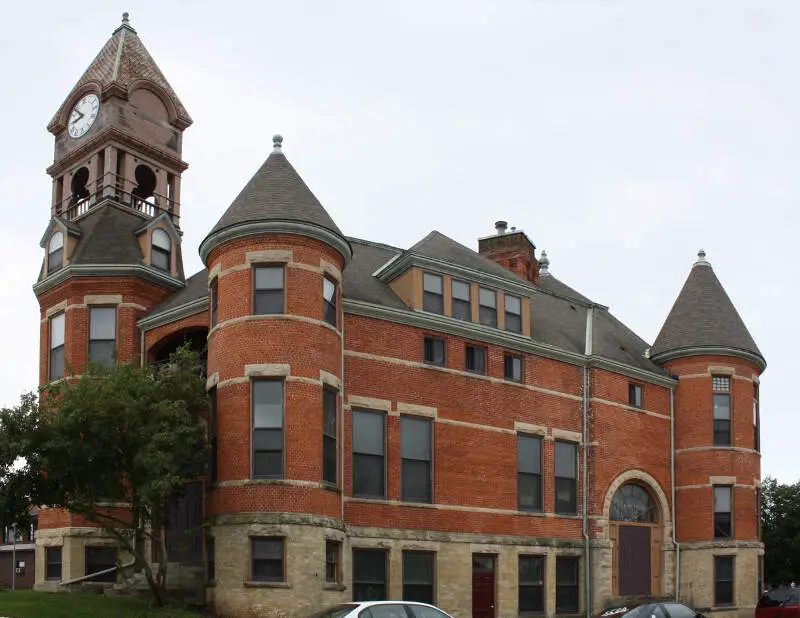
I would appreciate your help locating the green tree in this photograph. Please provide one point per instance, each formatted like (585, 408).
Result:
(780, 520)
(125, 435)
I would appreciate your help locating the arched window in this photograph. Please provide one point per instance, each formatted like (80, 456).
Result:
(55, 252)
(633, 503)
(160, 250)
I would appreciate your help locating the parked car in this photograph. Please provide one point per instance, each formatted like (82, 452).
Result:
(382, 609)
(650, 609)
(779, 603)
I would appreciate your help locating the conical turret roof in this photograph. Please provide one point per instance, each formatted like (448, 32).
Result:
(122, 61)
(703, 320)
(276, 196)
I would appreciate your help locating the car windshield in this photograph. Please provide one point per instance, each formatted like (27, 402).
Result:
(626, 611)
(780, 596)
(335, 611)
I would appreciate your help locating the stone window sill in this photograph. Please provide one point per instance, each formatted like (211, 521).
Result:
(250, 584)
(336, 587)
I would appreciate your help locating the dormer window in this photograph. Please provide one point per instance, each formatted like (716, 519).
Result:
(55, 252)
(513, 305)
(433, 293)
(462, 307)
(487, 313)
(161, 250)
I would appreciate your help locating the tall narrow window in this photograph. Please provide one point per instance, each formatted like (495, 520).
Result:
(531, 585)
(415, 453)
(56, 365)
(102, 335)
(566, 478)
(513, 305)
(55, 252)
(267, 428)
(369, 574)
(329, 436)
(267, 560)
(723, 499)
(333, 558)
(214, 300)
(434, 351)
(329, 301)
(432, 293)
(723, 580)
(212, 434)
(418, 576)
(756, 420)
(487, 307)
(53, 559)
(721, 387)
(476, 359)
(369, 468)
(529, 473)
(462, 303)
(567, 585)
(267, 290)
(100, 559)
(161, 250)
(512, 368)
(758, 514)
(635, 395)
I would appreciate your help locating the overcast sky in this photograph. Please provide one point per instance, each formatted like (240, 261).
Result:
(622, 136)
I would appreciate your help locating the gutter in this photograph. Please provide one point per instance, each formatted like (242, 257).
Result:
(672, 472)
(585, 410)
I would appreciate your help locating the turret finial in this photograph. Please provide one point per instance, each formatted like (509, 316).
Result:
(701, 259)
(277, 142)
(544, 265)
(125, 19)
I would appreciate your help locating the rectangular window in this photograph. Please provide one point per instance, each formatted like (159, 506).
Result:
(723, 501)
(369, 467)
(529, 473)
(102, 335)
(723, 580)
(267, 560)
(512, 368)
(101, 559)
(267, 429)
(567, 585)
(369, 574)
(721, 387)
(52, 556)
(566, 478)
(214, 299)
(333, 556)
(513, 306)
(531, 585)
(434, 351)
(756, 420)
(329, 436)
(462, 300)
(415, 452)
(212, 434)
(56, 368)
(758, 515)
(329, 301)
(418, 576)
(476, 360)
(267, 290)
(487, 307)
(432, 293)
(635, 396)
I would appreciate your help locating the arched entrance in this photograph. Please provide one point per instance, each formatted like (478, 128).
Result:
(635, 533)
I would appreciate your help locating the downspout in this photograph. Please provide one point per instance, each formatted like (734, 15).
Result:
(340, 435)
(672, 472)
(585, 482)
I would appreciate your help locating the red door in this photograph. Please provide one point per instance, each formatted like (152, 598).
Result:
(482, 586)
(634, 560)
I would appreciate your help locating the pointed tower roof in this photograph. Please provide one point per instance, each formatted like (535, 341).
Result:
(703, 320)
(276, 200)
(123, 61)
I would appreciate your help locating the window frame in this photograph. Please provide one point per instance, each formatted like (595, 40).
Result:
(92, 309)
(270, 539)
(356, 455)
(460, 302)
(507, 313)
(48, 563)
(720, 523)
(212, 434)
(542, 559)
(162, 252)
(62, 316)
(732, 581)
(357, 583)
(522, 438)
(476, 352)
(266, 291)
(490, 309)
(433, 340)
(337, 564)
(328, 392)
(576, 586)
(721, 425)
(429, 296)
(51, 268)
(756, 418)
(254, 428)
(573, 480)
(513, 357)
(213, 289)
(106, 577)
(432, 584)
(330, 308)
(633, 389)
(407, 461)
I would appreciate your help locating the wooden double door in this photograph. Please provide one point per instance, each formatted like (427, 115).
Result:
(637, 559)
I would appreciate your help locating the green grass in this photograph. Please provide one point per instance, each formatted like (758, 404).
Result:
(29, 604)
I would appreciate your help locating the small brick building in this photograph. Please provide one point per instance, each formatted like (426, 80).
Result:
(427, 423)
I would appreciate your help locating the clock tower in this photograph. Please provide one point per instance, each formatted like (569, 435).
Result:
(112, 247)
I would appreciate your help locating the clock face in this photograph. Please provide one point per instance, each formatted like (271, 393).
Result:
(83, 115)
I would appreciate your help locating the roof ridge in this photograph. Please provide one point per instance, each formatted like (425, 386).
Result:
(373, 243)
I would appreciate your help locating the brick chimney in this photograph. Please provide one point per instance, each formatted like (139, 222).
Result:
(513, 250)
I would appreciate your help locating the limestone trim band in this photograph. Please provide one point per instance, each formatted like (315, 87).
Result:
(628, 408)
(284, 482)
(459, 508)
(275, 256)
(92, 300)
(709, 374)
(710, 485)
(273, 317)
(698, 449)
(364, 536)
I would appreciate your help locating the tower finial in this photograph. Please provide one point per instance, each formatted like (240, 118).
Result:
(701, 259)
(544, 264)
(277, 142)
(125, 19)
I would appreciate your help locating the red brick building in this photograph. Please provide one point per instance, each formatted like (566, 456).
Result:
(431, 423)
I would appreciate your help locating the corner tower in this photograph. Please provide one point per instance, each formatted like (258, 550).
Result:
(705, 343)
(275, 364)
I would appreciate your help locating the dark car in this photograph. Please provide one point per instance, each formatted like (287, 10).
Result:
(650, 609)
(779, 603)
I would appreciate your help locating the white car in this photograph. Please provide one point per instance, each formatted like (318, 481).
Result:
(381, 609)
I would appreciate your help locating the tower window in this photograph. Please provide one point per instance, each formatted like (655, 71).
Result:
(267, 290)
(513, 306)
(79, 203)
(723, 580)
(329, 301)
(56, 369)
(144, 189)
(214, 301)
(462, 305)
(721, 387)
(433, 293)
(723, 499)
(487, 307)
(55, 252)
(756, 420)
(267, 429)
(161, 250)
(267, 560)
(102, 335)
(329, 435)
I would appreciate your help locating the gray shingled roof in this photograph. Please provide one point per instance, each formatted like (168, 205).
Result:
(357, 280)
(703, 316)
(121, 61)
(196, 288)
(276, 193)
